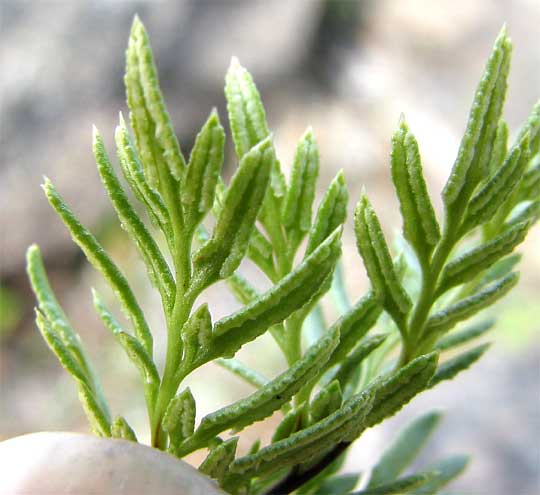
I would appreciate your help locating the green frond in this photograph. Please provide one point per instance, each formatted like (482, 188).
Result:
(343, 376)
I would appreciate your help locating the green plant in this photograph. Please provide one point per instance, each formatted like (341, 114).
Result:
(350, 377)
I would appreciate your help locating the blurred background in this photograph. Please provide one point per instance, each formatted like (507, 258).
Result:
(347, 68)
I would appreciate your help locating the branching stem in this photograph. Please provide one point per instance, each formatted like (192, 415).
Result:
(420, 313)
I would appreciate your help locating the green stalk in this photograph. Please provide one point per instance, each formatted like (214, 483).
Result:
(420, 314)
(171, 381)
(182, 305)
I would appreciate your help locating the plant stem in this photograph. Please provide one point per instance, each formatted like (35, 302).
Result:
(278, 238)
(420, 314)
(171, 381)
(296, 478)
(183, 301)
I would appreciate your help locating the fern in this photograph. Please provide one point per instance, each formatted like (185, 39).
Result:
(348, 379)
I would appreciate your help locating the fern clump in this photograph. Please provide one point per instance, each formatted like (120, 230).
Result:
(350, 377)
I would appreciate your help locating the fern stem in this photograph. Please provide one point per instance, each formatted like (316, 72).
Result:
(420, 314)
(171, 381)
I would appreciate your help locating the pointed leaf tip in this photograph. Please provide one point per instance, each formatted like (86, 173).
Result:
(137, 26)
(121, 120)
(214, 115)
(477, 143)
(309, 134)
(47, 184)
(402, 122)
(32, 250)
(503, 33)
